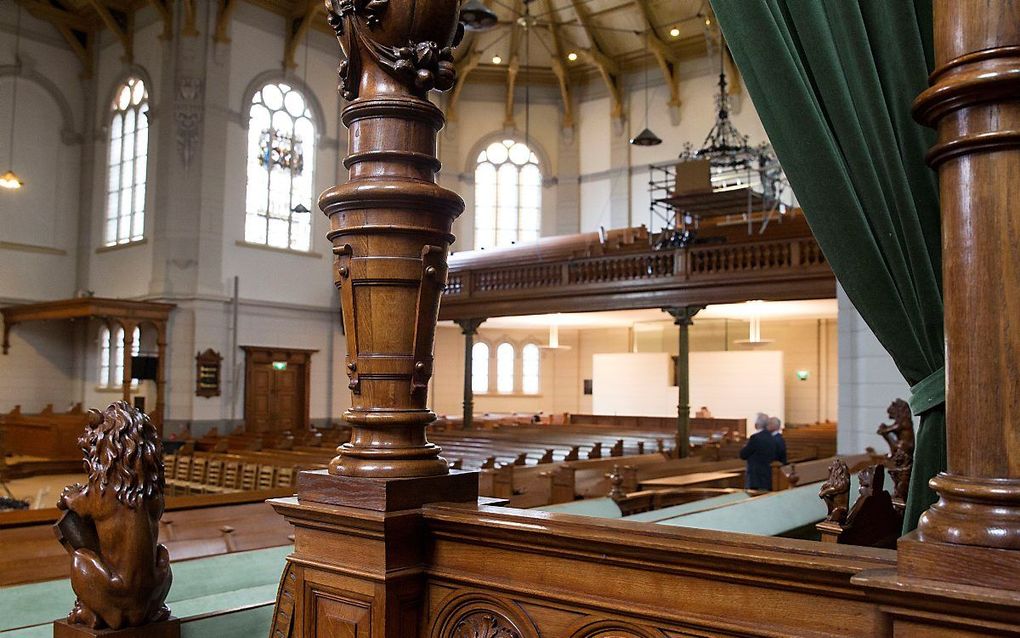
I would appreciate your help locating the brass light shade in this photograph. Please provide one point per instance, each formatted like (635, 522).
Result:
(11, 181)
(646, 138)
(477, 17)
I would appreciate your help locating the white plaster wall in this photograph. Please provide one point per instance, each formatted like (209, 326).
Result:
(39, 369)
(868, 382)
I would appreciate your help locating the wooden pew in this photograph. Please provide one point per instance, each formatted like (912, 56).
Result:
(48, 434)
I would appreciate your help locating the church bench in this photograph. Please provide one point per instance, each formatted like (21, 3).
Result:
(48, 434)
(656, 515)
(201, 588)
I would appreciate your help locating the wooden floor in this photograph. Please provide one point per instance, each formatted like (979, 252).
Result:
(41, 491)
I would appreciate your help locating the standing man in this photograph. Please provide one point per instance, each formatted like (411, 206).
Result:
(759, 452)
(775, 426)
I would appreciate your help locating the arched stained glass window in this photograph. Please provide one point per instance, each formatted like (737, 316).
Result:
(505, 368)
(508, 195)
(531, 363)
(126, 164)
(281, 150)
(480, 367)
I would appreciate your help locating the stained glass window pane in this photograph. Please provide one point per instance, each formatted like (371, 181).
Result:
(126, 164)
(281, 147)
(530, 366)
(480, 367)
(505, 368)
(508, 195)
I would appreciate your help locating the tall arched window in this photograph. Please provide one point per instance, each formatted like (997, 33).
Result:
(480, 367)
(105, 356)
(126, 164)
(508, 195)
(531, 363)
(505, 368)
(281, 150)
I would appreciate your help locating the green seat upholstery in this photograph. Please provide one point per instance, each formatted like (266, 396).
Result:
(770, 515)
(673, 511)
(242, 580)
(598, 507)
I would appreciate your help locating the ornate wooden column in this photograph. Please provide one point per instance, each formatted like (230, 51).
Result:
(683, 317)
(972, 535)
(469, 328)
(358, 566)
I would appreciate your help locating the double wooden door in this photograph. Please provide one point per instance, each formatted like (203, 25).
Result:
(276, 388)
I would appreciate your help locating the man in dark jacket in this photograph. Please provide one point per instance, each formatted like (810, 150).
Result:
(775, 427)
(760, 451)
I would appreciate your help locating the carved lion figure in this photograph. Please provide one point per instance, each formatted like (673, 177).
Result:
(835, 491)
(900, 433)
(119, 572)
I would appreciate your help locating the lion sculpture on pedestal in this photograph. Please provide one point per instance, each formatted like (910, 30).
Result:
(110, 526)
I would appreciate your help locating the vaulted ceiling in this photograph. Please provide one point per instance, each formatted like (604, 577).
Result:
(561, 43)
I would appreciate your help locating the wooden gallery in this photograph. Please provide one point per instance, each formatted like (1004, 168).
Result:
(509, 318)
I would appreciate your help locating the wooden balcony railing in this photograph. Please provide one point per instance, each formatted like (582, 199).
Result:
(788, 268)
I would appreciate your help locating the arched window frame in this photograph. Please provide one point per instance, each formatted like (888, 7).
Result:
(280, 170)
(508, 194)
(481, 353)
(506, 367)
(127, 163)
(531, 368)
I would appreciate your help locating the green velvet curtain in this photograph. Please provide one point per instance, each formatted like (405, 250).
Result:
(833, 81)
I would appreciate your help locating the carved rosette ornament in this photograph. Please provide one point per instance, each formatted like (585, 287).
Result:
(484, 624)
(390, 226)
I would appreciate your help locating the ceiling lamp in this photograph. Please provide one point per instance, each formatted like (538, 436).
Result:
(646, 137)
(477, 17)
(497, 60)
(554, 338)
(674, 32)
(754, 326)
(572, 56)
(10, 179)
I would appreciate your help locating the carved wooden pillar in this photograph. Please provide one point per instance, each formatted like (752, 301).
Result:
(358, 562)
(973, 104)
(390, 226)
(469, 328)
(683, 317)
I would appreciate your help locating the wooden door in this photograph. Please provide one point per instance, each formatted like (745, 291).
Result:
(276, 389)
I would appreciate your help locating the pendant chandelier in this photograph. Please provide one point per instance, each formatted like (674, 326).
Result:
(477, 17)
(646, 137)
(733, 162)
(10, 179)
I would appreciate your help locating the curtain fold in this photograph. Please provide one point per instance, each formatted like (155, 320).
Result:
(833, 82)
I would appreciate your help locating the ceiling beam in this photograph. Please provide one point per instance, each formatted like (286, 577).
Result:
(224, 13)
(297, 30)
(513, 66)
(595, 55)
(165, 12)
(121, 32)
(81, 43)
(465, 65)
(190, 27)
(561, 72)
(663, 56)
(56, 16)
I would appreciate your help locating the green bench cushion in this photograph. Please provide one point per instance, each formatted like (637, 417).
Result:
(598, 507)
(200, 586)
(687, 508)
(769, 515)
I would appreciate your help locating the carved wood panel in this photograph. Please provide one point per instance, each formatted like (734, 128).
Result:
(336, 616)
(468, 614)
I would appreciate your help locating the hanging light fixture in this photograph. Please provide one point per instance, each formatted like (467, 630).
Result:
(754, 326)
(10, 179)
(477, 17)
(646, 137)
(554, 335)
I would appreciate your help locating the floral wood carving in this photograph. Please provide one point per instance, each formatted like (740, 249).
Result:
(484, 624)
(421, 66)
(835, 491)
(110, 525)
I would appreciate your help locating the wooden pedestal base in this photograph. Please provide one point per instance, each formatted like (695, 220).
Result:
(958, 564)
(389, 494)
(169, 628)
